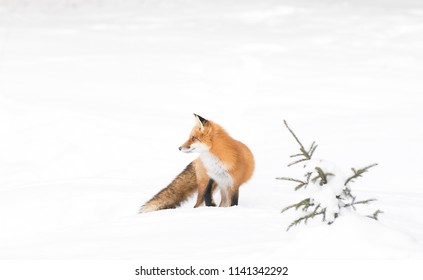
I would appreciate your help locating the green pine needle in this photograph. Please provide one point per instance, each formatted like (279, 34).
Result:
(359, 173)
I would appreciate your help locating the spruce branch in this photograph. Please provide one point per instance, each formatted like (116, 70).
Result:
(347, 193)
(353, 203)
(296, 155)
(290, 179)
(300, 186)
(288, 207)
(375, 215)
(298, 161)
(322, 175)
(295, 136)
(313, 147)
(301, 183)
(305, 203)
(306, 218)
(308, 176)
(359, 173)
(305, 154)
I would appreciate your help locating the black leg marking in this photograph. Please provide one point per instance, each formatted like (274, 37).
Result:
(208, 194)
(234, 200)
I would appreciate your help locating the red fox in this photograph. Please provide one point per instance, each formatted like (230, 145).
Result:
(224, 163)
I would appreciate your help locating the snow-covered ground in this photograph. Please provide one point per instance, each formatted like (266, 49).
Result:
(96, 96)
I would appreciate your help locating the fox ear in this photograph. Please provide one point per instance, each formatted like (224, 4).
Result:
(201, 122)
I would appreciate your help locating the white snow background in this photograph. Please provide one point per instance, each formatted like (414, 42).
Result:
(96, 96)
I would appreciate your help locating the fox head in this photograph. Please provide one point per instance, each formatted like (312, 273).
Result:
(200, 137)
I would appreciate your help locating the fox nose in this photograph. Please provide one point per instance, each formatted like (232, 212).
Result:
(180, 148)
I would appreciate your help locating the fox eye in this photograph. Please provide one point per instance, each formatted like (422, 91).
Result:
(193, 138)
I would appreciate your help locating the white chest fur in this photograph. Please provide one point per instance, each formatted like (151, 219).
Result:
(217, 170)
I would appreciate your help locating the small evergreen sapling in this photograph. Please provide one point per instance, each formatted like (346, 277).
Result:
(327, 187)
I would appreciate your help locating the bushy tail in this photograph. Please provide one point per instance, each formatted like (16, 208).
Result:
(181, 188)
